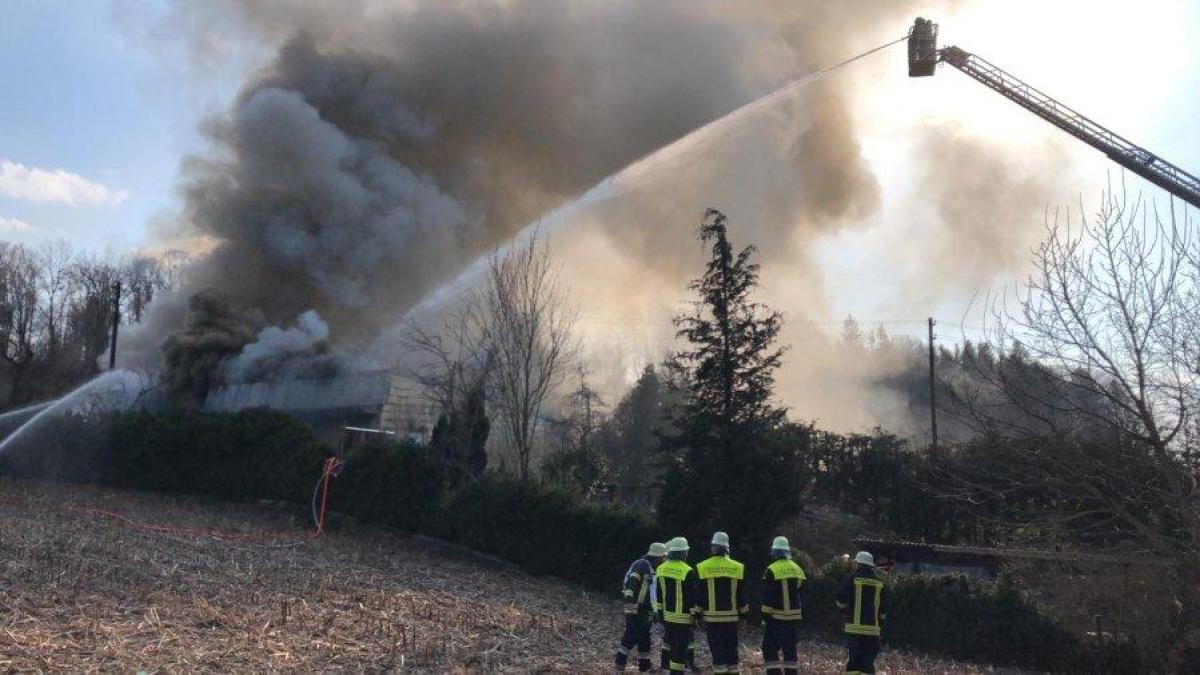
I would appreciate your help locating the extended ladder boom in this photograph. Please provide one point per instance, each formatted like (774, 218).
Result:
(923, 56)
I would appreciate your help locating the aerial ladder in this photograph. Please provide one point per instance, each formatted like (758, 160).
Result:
(924, 56)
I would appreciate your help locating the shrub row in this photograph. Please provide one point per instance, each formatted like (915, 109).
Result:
(989, 622)
(247, 455)
(546, 530)
(543, 528)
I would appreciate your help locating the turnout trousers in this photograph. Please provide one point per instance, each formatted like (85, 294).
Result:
(779, 647)
(862, 652)
(723, 643)
(678, 651)
(637, 634)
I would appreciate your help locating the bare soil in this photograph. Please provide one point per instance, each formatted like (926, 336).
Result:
(241, 588)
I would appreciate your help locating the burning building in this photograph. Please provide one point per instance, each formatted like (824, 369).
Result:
(379, 399)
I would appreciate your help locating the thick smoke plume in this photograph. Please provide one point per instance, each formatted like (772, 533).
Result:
(385, 146)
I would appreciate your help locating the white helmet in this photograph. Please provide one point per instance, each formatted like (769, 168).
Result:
(720, 539)
(677, 544)
(864, 558)
(657, 550)
(781, 544)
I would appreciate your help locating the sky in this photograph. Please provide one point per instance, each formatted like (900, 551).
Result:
(95, 118)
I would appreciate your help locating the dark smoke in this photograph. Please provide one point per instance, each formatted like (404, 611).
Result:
(383, 146)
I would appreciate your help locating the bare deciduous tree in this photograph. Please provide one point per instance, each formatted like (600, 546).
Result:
(56, 314)
(1108, 315)
(18, 314)
(451, 359)
(1091, 406)
(528, 324)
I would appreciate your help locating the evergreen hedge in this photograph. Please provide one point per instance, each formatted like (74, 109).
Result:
(396, 484)
(987, 622)
(252, 454)
(547, 530)
(542, 527)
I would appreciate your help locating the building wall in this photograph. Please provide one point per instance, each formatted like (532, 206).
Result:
(407, 411)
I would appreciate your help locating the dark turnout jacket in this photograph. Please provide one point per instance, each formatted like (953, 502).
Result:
(636, 590)
(865, 601)
(678, 591)
(781, 590)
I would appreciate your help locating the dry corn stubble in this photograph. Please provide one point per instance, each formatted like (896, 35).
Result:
(84, 594)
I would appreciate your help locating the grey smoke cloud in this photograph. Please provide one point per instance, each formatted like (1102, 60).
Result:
(383, 147)
(276, 348)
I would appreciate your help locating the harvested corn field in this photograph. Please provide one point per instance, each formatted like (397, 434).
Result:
(238, 588)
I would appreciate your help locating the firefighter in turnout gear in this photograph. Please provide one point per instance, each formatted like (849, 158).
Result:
(865, 601)
(677, 595)
(722, 603)
(637, 592)
(781, 610)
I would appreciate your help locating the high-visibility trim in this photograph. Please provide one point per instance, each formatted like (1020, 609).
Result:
(641, 596)
(878, 598)
(623, 650)
(673, 571)
(720, 619)
(676, 666)
(678, 617)
(786, 569)
(781, 615)
(721, 567)
(856, 618)
(857, 625)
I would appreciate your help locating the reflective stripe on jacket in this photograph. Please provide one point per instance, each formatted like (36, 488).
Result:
(676, 591)
(866, 599)
(722, 593)
(637, 587)
(781, 590)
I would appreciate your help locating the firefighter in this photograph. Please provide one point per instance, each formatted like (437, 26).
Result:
(864, 599)
(722, 603)
(677, 595)
(781, 609)
(638, 595)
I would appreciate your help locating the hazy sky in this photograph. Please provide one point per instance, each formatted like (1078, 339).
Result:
(94, 117)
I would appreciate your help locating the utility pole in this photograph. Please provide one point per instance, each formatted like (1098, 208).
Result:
(116, 321)
(932, 389)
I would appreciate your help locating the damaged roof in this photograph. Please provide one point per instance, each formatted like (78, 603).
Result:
(367, 390)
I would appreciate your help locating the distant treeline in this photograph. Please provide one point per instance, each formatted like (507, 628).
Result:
(56, 312)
